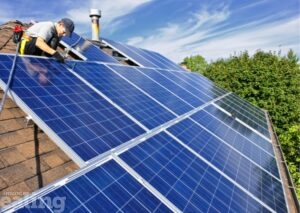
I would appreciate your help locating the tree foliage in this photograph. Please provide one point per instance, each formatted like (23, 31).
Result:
(196, 63)
(290, 143)
(269, 81)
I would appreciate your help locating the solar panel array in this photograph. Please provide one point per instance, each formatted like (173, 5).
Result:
(85, 49)
(148, 139)
(142, 57)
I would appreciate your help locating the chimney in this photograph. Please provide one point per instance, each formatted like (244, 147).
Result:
(95, 14)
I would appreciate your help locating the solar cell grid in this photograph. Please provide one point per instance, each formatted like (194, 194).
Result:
(155, 90)
(186, 180)
(143, 57)
(136, 103)
(108, 188)
(239, 142)
(75, 113)
(162, 62)
(237, 126)
(154, 59)
(249, 114)
(87, 49)
(210, 162)
(175, 87)
(233, 163)
(179, 78)
(203, 84)
(128, 52)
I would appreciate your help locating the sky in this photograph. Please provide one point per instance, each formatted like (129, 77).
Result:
(177, 29)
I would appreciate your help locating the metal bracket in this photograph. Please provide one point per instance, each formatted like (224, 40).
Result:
(28, 120)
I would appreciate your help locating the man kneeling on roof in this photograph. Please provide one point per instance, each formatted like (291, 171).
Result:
(42, 38)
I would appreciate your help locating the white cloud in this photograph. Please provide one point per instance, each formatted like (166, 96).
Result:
(254, 4)
(269, 37)
(135, 40)
(174, 42)
(173, 39)
(109, 11)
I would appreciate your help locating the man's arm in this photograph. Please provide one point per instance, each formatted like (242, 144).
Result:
(40, 43)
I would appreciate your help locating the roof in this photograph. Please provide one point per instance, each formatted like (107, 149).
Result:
(119, 157)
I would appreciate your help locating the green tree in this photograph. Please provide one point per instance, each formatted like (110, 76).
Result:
(269, 81)
(195, 63)
(290, 143)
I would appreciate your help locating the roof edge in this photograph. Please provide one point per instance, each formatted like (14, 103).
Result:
(288, 185)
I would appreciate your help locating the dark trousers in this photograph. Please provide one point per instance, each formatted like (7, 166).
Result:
(29, 46)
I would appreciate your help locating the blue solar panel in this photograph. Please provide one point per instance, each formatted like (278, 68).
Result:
(79, 116)
(108, 188)
(155, 90)
(87, 49)
(181, 90)
(246, 164)
(143, 57)
(161, 61)
(126, 51)
(187, 181)
(196, 84)
(239, 142)
(246, 112)
(140, 106)
(231, 122)
(209, 162)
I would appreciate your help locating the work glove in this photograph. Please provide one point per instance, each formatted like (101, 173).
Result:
(18, 32)
(58, 57)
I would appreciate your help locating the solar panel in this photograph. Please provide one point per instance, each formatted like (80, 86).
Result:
(173, 141)
(145, 109)
(195, 83)
(85, 49)
(251, 115)
(73, 113)
(181, 90)
(106, 188)
(162, 62)
(175, 174)
(254, 137)
(126, 51)
(159, 92)
(218, 132)
(190, 182)
(236, 164)
(142, 57)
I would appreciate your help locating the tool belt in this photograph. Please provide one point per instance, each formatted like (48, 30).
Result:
(25, 38)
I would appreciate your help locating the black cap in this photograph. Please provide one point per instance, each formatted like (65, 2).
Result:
(69, 25)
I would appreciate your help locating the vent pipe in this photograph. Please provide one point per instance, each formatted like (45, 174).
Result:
(95, 14)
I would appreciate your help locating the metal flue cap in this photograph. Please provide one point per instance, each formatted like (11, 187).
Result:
(95, 12)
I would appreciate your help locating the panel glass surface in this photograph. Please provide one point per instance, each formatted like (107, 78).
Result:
(195, 83)
(87, 49)
(108, 188)
(162, 62)
(236, 164)
(229, 121)
(144, 57)
(154, 89)
(185, 180)
(140, 106)
(85, 121)
(235, 170)
(249, 114)
(177, 88)
(125, 50)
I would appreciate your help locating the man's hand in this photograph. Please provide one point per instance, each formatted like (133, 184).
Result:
(58, 57)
